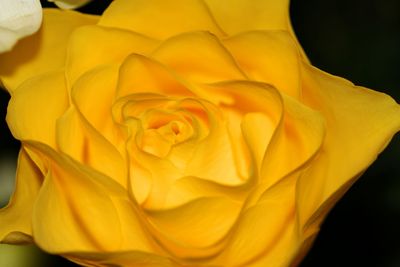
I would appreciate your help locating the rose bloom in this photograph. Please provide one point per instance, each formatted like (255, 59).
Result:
(169, 133)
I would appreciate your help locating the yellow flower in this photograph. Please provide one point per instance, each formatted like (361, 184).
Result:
(181, 134)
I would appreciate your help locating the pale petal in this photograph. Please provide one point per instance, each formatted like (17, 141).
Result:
(70, 4)
(18, 18)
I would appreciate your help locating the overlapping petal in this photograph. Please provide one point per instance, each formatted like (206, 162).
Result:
(199, 56)
(44, 51)
(361, 122)
(178, 133)
(277, 60)
(158, 18)
(35, 107)
(82, 57)
(15, 218)
(69, 202)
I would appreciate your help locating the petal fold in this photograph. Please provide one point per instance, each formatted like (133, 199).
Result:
(16, 217)
(81, 56)
(69, 202)
(35, 107)
(360, 124)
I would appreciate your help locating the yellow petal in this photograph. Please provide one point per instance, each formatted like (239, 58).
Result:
(261, 229)
(199, 56)
(81, 56)
(158, 18)
(17, 20)
(43, 51)
(247, 100)
(268, 56)
(35, 106)
(139, 74)
(100, 84)
(235, 16)
(213, 157)
(81, 141)
(123, 258)
(296, 141)
(69, 202)
(360, 124)
(16, 217)
(200, 224)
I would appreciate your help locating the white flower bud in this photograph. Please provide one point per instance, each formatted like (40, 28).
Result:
(18, 18)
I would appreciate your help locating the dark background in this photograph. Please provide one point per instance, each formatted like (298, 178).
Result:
(358, 40)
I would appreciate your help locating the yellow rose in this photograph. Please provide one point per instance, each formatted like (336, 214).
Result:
(169, 133)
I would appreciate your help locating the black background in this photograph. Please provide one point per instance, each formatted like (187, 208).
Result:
(358, 40)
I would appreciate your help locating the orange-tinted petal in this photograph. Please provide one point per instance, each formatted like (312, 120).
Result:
(268, 56)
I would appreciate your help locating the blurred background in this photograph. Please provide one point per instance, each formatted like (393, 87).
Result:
(355, 39)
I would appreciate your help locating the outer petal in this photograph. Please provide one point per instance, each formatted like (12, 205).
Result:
(69, 202)
(159, 18)
(15, 218)
(360, 124)
(236, 16)
(81, 56)
(262, 228)
(44, 51)
(18, 19)
(268, 56)
(121, 258)
(35, 106)
(82, 142)
(197, 228)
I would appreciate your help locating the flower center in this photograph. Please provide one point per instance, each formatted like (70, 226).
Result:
(162, 130)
